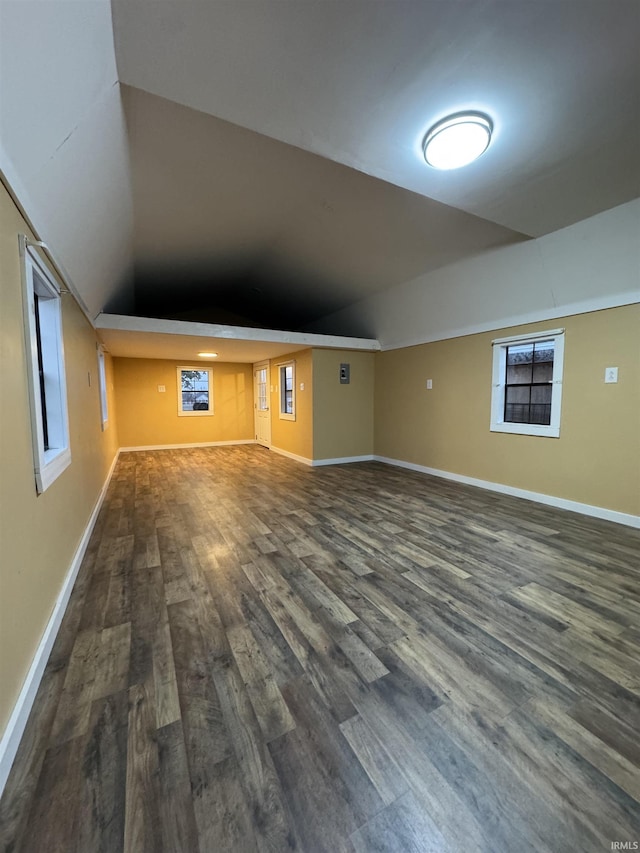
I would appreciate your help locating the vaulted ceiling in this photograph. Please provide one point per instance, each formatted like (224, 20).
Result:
(258, 163)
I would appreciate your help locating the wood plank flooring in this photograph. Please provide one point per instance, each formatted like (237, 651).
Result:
(262, 656)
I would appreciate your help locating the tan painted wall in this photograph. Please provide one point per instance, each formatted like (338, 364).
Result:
(148, 417)
(595, 461)
(39, 534)
(294, 436)
(342, 414)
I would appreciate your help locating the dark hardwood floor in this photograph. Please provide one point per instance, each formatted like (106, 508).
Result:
(262, 656)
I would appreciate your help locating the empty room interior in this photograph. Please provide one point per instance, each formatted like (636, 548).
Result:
(320, 426)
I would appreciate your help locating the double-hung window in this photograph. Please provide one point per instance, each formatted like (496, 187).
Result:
(287, 373)
(527, 383)
(45, 369)
(195, 390)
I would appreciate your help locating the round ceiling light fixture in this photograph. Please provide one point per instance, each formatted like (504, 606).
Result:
(457, 140)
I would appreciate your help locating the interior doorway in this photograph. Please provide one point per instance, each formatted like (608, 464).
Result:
(261, 399)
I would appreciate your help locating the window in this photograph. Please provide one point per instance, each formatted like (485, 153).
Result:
(527, 383)
(45, 369)
(261, 383)
(102, 383)
(195, 391)
(288, 391)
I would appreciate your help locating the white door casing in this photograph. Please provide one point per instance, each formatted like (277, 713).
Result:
(261, 399)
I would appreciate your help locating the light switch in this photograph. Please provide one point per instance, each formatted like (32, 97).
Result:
(161, 389)
(429, 384)
(611, 374)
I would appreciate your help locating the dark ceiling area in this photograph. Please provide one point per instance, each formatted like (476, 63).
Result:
(233, 292)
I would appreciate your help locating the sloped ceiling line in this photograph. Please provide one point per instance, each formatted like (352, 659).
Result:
(263, 163)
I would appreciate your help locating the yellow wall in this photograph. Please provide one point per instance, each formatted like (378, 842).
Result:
(148, 417)
(342, 414)
(595, 461)
(294, 436)
(39, 534)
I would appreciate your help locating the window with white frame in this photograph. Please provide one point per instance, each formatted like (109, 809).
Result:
(287, 373)
(45, 369)
(527, 383)
(195, 390)
(102, 383)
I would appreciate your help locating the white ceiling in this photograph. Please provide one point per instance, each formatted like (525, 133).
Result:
(263, 156)
(143, 337)
(63, 145)
(216, 201)
(360, 82)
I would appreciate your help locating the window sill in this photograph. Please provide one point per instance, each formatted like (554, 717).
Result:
(53, 463)
(284, 416)
(527, 429)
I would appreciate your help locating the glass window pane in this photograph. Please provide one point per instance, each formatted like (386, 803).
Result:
(519, 374)
(195, 390)
(544, 351)
(540, 404)
(261, 378)
(543, 371)
(520, 354)
(287, 390)
(528, 378)
(541, 394)
(516, 404)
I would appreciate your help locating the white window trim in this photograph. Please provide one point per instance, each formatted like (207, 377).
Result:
(498, 385)
(48, 464)
(287, 416)
(202, 368)
(102, 387)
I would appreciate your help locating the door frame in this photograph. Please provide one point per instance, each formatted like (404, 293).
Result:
(259, 365)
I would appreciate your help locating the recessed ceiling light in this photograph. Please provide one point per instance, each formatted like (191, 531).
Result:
(208, 354)
(457, 140)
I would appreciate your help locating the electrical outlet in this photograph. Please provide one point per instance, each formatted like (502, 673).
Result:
(302, 386)
(611, 374)
(161, 389)
(429, 384)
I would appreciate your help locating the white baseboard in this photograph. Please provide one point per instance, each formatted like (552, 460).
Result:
(289, 455)
(191, 444)
(342, 460)
(316, 463)
(538, 497)
(20, 714)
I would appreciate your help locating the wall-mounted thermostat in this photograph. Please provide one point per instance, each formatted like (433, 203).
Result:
(345, 374)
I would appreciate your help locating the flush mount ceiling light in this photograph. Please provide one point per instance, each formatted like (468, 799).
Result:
(457, 140)
(208, 354)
